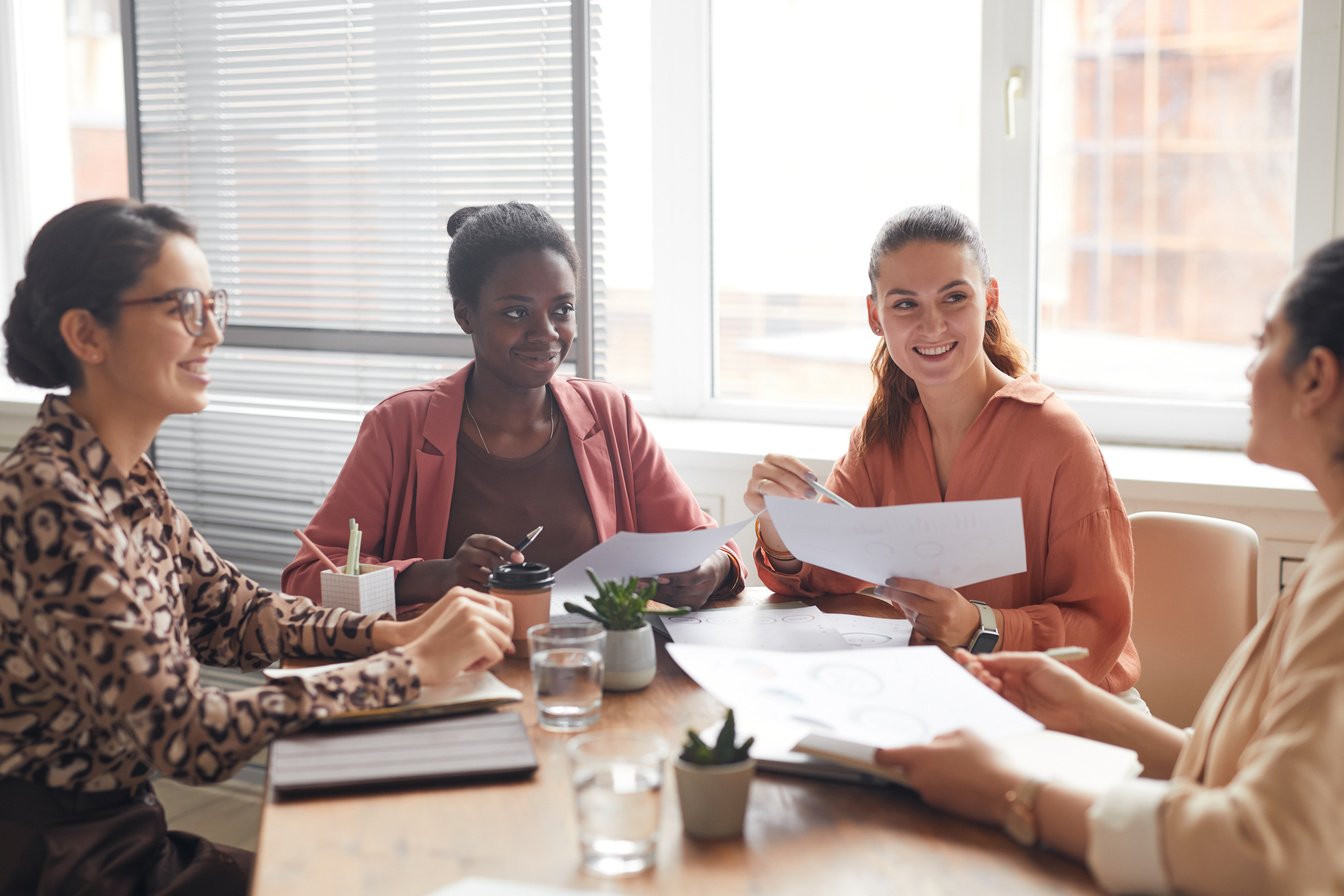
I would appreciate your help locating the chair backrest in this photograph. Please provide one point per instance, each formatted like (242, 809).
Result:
(1194, 600)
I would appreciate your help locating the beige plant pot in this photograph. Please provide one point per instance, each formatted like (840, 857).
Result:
(714, 798)
(629, 659)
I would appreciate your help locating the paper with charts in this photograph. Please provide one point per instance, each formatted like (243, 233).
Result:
(952, 543)
(879, 698)
(792, 628)
(627, 554)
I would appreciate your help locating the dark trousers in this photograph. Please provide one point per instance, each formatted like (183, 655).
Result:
(64, 842)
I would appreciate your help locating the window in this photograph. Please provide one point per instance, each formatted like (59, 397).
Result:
(62, 115)
(1167, 226)
(1159, 184)
(320, 149)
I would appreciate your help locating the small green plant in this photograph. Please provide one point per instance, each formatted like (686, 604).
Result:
(621, 605)
(724, 751)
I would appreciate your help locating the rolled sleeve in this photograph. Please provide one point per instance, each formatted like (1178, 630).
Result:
(1124, 847)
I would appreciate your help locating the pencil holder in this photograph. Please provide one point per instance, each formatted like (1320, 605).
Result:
(373, 591)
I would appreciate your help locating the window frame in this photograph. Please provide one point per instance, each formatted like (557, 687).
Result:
(684, 350)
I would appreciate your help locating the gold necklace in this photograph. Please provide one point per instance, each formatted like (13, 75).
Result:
(550, 407)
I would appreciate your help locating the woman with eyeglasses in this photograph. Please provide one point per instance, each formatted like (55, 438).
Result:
(447, 477)
(110, 601)
(1248, 799)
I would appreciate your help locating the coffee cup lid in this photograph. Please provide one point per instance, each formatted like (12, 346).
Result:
(521, 575)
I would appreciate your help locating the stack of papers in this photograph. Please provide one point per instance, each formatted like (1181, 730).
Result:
(469, 692)
(843, 705)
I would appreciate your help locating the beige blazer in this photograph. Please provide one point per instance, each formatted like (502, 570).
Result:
(1256, 803)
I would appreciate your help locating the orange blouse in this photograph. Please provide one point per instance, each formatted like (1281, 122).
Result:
(1026, 444)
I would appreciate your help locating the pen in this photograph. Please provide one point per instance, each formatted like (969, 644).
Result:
(325, 560)
(528, 539)
(1067, 654)
(830, 494)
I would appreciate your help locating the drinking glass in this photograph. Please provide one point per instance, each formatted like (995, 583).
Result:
(617, 778)
(567, 673)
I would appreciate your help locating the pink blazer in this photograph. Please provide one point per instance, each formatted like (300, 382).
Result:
(398, 479)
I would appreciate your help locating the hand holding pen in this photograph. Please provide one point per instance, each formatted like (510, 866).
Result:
(786, 477)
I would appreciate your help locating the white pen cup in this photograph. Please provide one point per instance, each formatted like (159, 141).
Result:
(618, 781)
(373, 591)
(567, 669)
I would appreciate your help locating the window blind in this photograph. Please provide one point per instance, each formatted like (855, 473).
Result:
(320, 146)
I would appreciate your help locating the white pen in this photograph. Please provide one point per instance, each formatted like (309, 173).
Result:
(830, 494)
(1067, 654)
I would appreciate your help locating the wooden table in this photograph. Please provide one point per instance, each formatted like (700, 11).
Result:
(802, 836)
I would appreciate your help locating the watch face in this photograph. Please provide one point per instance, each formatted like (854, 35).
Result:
(984, 642)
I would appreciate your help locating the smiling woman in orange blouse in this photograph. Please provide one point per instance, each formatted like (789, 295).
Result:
(1248, 800)
(110, 601)
(956, 417)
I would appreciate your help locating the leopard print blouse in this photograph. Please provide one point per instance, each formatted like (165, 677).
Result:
(109, 603)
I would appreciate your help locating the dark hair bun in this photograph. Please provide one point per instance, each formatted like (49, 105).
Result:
(460, 217)
(28, 360)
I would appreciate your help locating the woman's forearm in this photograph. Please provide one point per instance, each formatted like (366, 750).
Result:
(1156, 742)
(1061, 815)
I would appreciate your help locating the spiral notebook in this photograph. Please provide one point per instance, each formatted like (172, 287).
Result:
(399, 754)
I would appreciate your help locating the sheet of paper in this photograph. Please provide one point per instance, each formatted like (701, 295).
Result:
(627, 554)
(952, 544)
(796, 629)
(870, 631)
(881, 698)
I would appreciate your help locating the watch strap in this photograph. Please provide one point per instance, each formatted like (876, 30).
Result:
(986, 637)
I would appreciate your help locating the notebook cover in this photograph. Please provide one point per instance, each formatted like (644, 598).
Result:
(402, 753)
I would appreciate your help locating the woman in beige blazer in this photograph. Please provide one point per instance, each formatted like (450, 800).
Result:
(1251, 799)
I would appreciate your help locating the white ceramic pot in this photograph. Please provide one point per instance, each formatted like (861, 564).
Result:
(714, 798)
(629, 659)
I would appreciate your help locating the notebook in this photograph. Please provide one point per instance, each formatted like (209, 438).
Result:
(468, 692)
(484, 745)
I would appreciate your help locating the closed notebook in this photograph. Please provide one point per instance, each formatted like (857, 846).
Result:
(468, 692)
(484, 745)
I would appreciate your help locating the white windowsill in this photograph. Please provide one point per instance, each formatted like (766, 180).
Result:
(1184, 475)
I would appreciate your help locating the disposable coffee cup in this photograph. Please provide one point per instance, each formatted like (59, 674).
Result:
(527, 586)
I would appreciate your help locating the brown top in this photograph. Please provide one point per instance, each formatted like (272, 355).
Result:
(109, 602)
(509, 497)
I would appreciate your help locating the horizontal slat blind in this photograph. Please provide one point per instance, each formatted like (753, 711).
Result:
(320, 146)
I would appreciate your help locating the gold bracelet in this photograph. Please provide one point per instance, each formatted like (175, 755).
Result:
(765, 548)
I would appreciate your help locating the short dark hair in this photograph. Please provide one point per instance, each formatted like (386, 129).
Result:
(1314, 304)
(85, 257)
(483, 236)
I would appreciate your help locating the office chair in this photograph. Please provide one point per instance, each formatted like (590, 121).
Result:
(1194, 600)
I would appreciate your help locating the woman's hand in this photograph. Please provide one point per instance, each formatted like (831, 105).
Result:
(1045, 689)
(694, 586)
(470, 567)
(958, 773)
(778, 474)
(468, 632)
(938, 614)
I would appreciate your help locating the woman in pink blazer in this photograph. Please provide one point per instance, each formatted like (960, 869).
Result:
(445, 478)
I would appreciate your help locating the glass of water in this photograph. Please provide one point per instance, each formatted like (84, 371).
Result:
(617, 777)
(567, 673)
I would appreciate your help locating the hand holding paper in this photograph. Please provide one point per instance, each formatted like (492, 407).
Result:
(641, 554)
(952, 544)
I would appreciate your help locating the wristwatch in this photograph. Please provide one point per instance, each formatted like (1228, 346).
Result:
(1020, 822)
(987, 635)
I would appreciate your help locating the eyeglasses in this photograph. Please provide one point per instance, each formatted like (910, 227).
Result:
(192, 305)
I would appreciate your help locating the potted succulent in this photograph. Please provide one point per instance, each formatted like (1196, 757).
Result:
(714, 782)
(620, 607)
